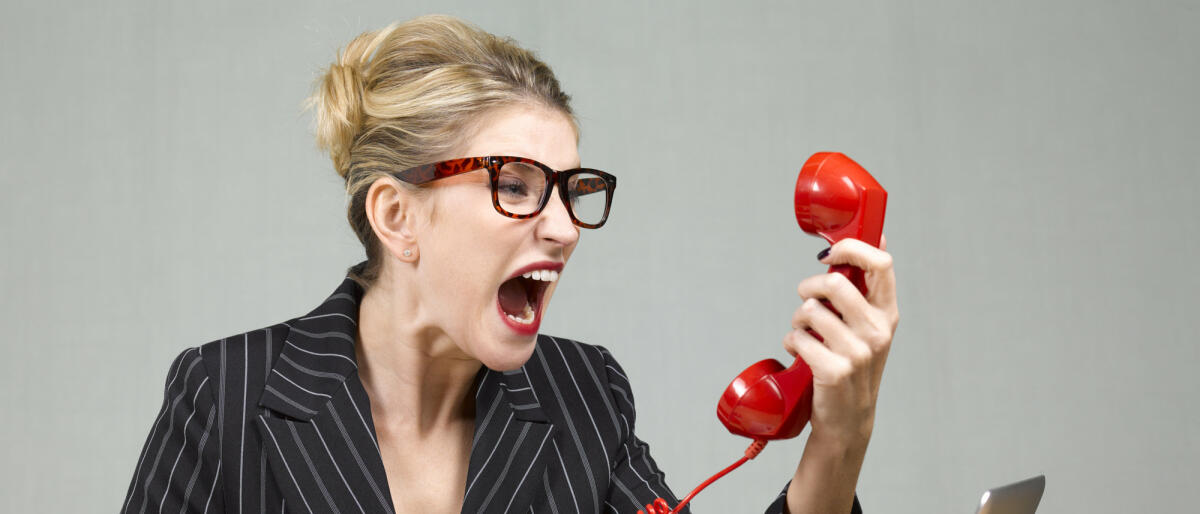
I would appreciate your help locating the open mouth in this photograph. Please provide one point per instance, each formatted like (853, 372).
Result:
(520, 298)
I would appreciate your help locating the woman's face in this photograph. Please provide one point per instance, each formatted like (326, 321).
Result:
(472, 259)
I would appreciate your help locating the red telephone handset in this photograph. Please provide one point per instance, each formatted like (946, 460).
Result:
(835, 199)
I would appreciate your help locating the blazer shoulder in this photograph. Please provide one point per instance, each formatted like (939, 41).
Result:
(555, 353)
(252, 338)
(589, 380)
(597, 358)
(252, 354)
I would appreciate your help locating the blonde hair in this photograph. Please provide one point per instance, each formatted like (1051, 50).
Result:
(407, 94)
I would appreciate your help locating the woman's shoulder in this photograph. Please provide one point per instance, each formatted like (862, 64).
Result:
(269, 337)
(562, 355)
(237, 358)
(322, 338)
(583, 372)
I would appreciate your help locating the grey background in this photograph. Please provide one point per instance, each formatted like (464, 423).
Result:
(161, 189)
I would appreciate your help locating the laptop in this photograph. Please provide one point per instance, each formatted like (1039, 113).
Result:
(1017, 498)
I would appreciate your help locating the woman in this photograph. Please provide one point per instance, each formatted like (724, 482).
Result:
(420, 384)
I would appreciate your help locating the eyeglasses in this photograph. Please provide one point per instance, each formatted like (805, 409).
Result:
(521, 187)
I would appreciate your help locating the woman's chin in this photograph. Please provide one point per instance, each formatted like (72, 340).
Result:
(509, 356)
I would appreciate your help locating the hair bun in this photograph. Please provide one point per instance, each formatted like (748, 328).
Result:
(338, 101)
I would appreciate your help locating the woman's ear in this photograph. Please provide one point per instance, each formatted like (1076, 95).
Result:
(392, 211)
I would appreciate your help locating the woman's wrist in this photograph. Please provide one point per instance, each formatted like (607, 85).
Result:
(838, 450)
(827, 475)
(846, 438)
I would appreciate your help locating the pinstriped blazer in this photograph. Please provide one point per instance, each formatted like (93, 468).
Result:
(276, 420)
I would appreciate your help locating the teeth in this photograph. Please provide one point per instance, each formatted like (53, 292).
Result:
(526, 317)
(544, 275)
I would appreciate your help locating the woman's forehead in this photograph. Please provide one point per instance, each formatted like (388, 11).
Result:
(533, 132)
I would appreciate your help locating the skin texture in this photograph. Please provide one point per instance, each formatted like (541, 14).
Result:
(847, 368)
(431, 321)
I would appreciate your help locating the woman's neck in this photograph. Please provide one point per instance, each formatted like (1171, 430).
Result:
(418, 380)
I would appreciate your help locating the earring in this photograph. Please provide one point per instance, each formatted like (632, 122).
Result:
(408, 253)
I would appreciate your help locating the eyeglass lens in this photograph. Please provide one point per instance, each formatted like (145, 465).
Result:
(520, 186)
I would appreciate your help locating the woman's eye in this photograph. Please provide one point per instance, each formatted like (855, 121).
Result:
(514, 187)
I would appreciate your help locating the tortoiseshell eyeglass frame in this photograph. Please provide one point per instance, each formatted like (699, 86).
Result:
(429, 172)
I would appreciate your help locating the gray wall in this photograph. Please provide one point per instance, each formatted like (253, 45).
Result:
(161, 189)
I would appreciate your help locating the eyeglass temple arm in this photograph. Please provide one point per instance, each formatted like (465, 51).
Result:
(429, 172)
(419, 175)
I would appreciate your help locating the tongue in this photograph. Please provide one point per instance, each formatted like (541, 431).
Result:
(513, 297)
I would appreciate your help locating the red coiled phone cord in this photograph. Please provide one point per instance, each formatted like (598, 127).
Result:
(660, 505)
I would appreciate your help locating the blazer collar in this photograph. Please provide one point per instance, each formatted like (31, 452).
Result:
(318, 356)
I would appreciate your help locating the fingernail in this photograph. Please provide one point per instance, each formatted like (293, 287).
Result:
(824, 253)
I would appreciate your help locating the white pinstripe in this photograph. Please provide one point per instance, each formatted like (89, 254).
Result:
(298, 386)
(154, 428)
(583, 400)
(507, 422)
(526, 473)
(312, 469)
(187, 493)
(507, 464)
(362, 466)
(357, 410)
(242, 430)
(289, 343)
(339, 470)
(183, 433)
(288, 467)
(212, 489)
(167, 433)
(587, 467)
(566, 476)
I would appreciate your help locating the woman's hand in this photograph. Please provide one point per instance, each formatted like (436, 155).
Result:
(846, 367)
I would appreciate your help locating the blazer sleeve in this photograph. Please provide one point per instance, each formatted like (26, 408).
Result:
(635, 478)
(779, 506)
(179, 469)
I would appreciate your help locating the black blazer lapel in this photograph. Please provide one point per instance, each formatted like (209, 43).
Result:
(331, 462)
(316, 422)
(510, 452)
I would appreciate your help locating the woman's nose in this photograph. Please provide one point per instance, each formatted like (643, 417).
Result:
(555, 222)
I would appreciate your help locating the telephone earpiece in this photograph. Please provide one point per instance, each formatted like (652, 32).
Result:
(835, 199)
